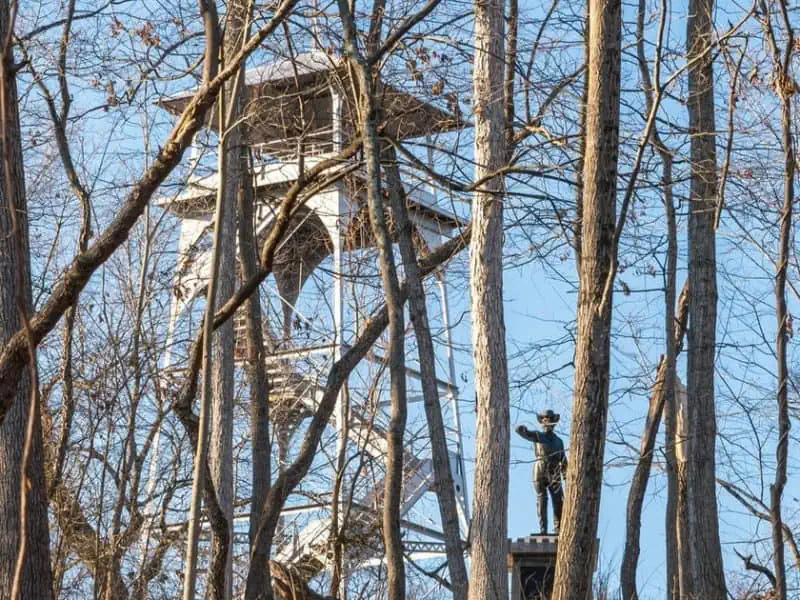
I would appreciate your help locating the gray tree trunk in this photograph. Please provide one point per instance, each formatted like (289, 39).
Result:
(490, 489)
(259, 384)
(681, 523)
(785, 89)
(671, 514)
(393, 491)
(220, 455)
(577, 538)
(287, 480)
(202, 353)
(370, 121)
(782, 314)
(221, 446)
(706, 578)
(37, 578)
(673, 587)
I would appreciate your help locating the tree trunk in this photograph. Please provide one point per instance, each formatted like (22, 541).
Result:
(184, 410)
(784, 424)
(370, 122)
(671, 513)
(203, 482)
(418, 310)
(664, 386)
(706, 578)
(579, 163)
(681, 522)
(672, 378)
(259, 384)
(393, 491)
(37, 580)
(220, 455)
(235, 156)
(490, 495)
(671, 375)
(785, 91)
(577, 538)
(14, 354)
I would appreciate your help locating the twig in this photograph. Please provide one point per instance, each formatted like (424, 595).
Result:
(754, 566)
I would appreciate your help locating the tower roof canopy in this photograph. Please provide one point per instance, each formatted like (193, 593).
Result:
(291, 100)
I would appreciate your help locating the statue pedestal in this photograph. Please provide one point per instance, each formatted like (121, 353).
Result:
(532, 563)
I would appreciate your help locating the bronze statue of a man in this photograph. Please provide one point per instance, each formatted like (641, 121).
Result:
(550, 466)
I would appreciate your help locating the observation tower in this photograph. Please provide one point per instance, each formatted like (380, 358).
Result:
(324, 286)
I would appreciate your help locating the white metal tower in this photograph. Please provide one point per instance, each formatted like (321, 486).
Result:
(299, 113)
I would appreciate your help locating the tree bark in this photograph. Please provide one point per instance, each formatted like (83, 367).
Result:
(706, 578)
(232, 146)
(671, 512)
(37, 579)
(785, 89)
(259, 383)
(393, 492)
(670, 383)
(200, 446)
(672, 376)
(580, 162)
(220, 451)
(681, 522)
(782, 314)
(490, 488)
(577, 538)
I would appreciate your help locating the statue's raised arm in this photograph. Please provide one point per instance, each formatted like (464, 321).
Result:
(528, 434)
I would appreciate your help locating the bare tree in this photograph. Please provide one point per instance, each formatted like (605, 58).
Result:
(592, 353)
(233, 177)
(490, 488)
(706, 578)
(377, 214)
(641, 475)
(201, 452)
(107, 399)
(785, 89)
(14, 357)
(257, 579)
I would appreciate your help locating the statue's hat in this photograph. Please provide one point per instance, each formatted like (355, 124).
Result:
(549, 415)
